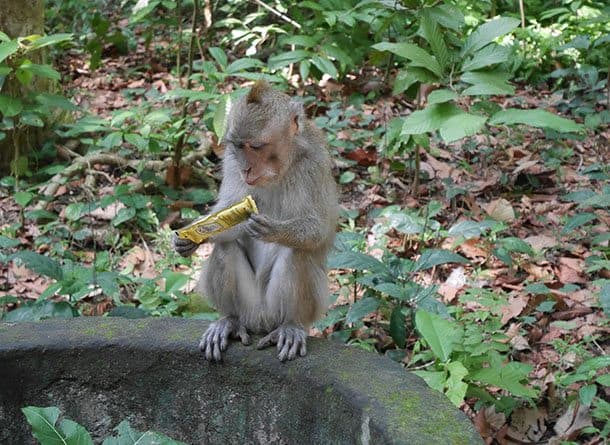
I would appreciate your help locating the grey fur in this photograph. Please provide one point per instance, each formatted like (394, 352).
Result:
(268, 275)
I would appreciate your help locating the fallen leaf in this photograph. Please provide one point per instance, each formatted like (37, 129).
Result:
(540, 242)
(572, 422)
(500, 210)
(528, 424)
(514, 308)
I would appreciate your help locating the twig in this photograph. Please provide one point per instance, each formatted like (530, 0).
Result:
(522, 10)
(278, 13)
(181, 139)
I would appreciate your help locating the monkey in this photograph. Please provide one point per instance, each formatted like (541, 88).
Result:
(268, 275)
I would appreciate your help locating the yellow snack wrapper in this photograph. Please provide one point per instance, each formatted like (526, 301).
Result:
(220, 221)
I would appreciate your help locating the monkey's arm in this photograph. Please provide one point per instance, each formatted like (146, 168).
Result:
(306, 233)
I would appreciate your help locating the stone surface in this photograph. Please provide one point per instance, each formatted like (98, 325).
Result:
(100, 371)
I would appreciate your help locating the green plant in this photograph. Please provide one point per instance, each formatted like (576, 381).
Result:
(48, 432)
(22, 106)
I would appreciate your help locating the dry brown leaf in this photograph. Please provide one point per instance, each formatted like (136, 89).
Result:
(572, 422)
(109, 212)
(528, 424)
(500, 210)
(540, 242)
(473, 248)
(519, 342)
(571, 270)
(514, 308)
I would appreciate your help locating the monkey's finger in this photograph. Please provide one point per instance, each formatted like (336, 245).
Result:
(216, 351)
(283, 355)
(303, 349)
(242, 333)
(267, 340)
(281, 340)
(293, 350)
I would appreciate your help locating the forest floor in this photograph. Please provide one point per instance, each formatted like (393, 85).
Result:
(534, 184)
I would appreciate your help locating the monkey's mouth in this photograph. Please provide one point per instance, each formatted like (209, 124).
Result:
(252, 181)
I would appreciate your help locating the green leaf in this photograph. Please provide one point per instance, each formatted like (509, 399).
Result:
(4, 37)
(398, 328)
(10, 106)
(219, 55)
(429, 30)
(469, 229)
(285, 59)
(508, 376)
(448, 16)
(40, 264)
(429, 119)
(43, 420)
(393, 290)
(535, 118)
(126, 435)
(456, 387)
(220, 117)
(435, 257)
(7, 243)
(243, 64)
(578, 220)
(487, 83)
(112, 140)
(40, 70)
(361, 308)
(434, 379)
(124, 215)
(23, 198)
(461, 125)
(586, 394)
(404, 79)
(174, 281)
(347, 177)
(441, 96)
(54, 101)
(325, 66)
(136, 140)
(40, 311)
(52, 39)
(8, 48)
(31, 119)
(440, 334)
(604, 299)
(356, 261)
(489, 55)
(418, 56)
(488, 32)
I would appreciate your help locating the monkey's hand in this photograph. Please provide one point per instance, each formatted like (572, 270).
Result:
(290, 340)
(216, 338)
(184, 247)
(263, 227)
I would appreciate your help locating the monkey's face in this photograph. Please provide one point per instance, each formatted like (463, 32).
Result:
(262, 156)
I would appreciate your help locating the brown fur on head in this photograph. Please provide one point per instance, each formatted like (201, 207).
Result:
(257, 91)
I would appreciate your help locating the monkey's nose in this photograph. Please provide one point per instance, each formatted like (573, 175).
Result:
(247, 170)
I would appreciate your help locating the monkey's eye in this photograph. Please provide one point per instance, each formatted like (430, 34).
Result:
(257, 146)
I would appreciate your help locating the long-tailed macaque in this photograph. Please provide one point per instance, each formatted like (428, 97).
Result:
(268, 274)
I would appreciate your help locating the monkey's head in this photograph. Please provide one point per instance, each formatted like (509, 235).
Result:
(260, 134)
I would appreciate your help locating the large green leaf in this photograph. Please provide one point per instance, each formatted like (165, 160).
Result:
(535, 118)
(418, 56)
(325, 66)
(448, 16)
(439, 333)
(486, 83)
(8, 48)
(243, 64)
(461, 125)
(220, 117)
(40, 70)
(356, 261)
(54, 101)
(486, 56)
(284, 59)
(488, 32)
(53, 39)
(398, 328)
(441, 96)
(456, 387)
(361, 308)
(430, 118)
(10, 106)
(219, 55)
(405, 78)
(40, 264)
(43, 422)
(435, 257)
(40, 311)
(508, 376)
(429, 30)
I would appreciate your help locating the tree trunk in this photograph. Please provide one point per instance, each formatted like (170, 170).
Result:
(19, 19)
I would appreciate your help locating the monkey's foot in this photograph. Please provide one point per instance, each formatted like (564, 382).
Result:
(216, 338)
(289, 339)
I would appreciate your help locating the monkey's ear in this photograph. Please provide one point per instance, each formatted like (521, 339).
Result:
(296, 111)
(256, 92)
